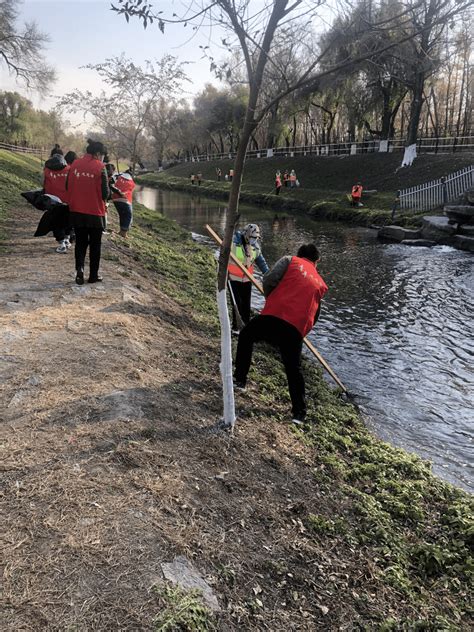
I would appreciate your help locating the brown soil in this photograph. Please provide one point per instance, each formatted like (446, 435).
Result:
(111, 465)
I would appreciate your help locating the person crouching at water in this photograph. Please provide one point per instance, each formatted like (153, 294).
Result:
(88, 191)
(122, 194)
(293, 290)
(246, 248)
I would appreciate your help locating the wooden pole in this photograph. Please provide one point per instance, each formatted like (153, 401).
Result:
(310, 346)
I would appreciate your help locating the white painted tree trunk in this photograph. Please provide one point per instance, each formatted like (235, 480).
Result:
(409, 155)
(226, 360)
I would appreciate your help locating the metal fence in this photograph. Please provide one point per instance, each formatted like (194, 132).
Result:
(427, 145)
(437, 192)
(36, 151)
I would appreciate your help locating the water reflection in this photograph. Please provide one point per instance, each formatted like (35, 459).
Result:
(396, 324)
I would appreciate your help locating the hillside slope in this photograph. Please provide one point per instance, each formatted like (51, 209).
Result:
(375, 171)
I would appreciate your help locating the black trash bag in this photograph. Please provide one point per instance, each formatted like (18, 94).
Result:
(40, 200)
(55, 219)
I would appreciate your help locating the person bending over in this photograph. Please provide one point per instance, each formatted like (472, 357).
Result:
(293, 291)
(122, 195)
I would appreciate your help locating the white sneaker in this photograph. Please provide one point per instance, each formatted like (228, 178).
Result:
(297, 422)
(68, 243)
(62, 246)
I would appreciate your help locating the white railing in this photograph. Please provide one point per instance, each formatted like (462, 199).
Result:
(434, 194)
(37, 151)
(424, 146)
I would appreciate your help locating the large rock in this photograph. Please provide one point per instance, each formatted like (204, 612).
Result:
(463, 242)
(438, 228)
(419, 242)
(397, 233)
(466, 229)
(462, 213)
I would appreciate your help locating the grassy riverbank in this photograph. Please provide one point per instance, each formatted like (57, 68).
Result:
(111, 466)
(18, 172)
(396, 539)
(325, 183)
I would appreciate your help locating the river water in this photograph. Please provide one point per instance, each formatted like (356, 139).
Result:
(396, 325)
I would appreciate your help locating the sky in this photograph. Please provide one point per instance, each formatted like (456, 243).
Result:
(87, 32)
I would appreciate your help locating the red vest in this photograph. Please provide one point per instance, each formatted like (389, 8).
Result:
(55, 183)
(296, 298)
(84, 186)
(356, 191)
(126, 185)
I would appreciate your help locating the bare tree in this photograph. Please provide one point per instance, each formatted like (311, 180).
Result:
(21, 49)
(124, 109)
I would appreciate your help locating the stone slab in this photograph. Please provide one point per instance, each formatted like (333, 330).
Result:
(418, 242)
(181, 572)
(466, 229)
(436, 227)
(463, 242)
(398, 233)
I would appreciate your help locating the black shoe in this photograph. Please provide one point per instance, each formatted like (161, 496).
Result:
(80, 276)
(96, 279)
(240, 386)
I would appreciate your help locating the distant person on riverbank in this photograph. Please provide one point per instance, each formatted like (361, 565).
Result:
(277, 183)
(122, 197)
(199, 178)
(55, 174)
(292, 179)
(286, 178)
(247, 249)
(88, 191)
(218, 174)
(356, 194)
(293, 290)
(192, 177)
(231, 175)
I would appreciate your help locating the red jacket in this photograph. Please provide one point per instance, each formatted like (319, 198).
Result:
(55, 182)
(296, 298)
(125, 184)
(84, 186)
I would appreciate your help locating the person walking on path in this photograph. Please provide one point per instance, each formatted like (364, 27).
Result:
(277, 183)
(88, 191)
(246, 247)
(122, 195)
(293, 290)
(55, 174)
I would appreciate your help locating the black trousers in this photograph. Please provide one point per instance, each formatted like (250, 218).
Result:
(288, 340)
(243, 296)
(92, 238)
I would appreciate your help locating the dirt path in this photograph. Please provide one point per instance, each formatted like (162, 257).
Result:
(109, 466)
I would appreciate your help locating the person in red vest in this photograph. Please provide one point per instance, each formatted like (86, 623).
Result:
(122, 194)
(356, 194)
(88, 190)
(293, 290)
(54, 183)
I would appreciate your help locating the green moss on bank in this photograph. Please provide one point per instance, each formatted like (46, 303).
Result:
(411, 532)
(18, 172)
